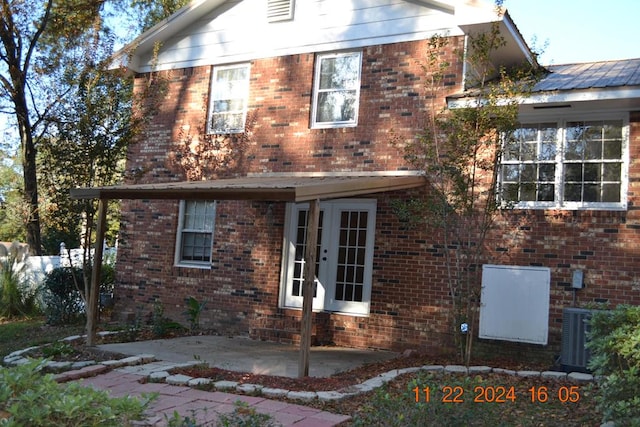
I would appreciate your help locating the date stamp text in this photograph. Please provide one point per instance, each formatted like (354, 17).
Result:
(496, 394)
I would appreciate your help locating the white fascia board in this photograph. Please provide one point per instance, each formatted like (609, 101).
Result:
(517, 38)
(555, 97)
(606, 94)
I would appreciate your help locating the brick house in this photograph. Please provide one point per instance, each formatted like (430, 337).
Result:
(252, 128)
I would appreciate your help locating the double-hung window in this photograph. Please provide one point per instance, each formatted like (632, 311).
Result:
(569, 164)
(336, 90)
(344, 266)
(229, 99)
(195, 233)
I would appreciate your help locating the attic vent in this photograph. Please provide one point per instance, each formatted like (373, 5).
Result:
(279, 10)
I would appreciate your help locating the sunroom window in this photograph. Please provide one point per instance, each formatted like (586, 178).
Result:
(336, 90)
(573, 164)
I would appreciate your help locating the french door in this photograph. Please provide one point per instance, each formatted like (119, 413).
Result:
(345, 255)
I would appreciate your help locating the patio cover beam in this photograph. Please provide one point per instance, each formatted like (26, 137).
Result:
(284, 188)
(291, 188)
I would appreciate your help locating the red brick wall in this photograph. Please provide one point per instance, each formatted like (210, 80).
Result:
(410, 298)
(391, 98)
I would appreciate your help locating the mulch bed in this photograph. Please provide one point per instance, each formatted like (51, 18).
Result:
(339, 380)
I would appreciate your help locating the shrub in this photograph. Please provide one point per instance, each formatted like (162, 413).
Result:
(29, 398)
(63, 302)
(107, 278)
(17, 298)
(614, 342)
(162, 326)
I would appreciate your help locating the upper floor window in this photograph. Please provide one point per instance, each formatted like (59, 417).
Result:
(195, 233)
(568, 164)
(229, 99)
(336, 90)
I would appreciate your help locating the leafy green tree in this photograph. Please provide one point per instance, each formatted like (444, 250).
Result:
(13, 215)
(459, 152)
(34, 36)
(87, 141)
(153, 12)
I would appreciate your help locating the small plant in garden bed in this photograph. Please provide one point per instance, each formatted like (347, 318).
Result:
(193, 312)
(245, 416)
(58, 348)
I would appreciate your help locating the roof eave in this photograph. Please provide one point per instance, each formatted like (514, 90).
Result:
(163, 30)
(514, 52)
(560, 96)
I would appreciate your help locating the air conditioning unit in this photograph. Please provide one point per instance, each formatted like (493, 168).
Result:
(574, 355)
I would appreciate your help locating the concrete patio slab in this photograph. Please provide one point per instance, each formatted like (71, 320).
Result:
(245, 355)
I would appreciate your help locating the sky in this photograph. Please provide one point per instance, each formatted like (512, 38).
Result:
(572, 30)
(579, 30)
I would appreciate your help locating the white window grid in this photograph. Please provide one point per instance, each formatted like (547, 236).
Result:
(561, 162)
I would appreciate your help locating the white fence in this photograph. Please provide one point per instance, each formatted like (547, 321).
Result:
(35, 268)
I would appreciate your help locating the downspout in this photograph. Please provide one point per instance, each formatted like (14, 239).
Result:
(464, 63)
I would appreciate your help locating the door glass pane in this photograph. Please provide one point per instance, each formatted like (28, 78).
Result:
(351, 256)
(300, 245)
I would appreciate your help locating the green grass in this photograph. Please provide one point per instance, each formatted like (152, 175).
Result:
(23, 333)
(428, 399)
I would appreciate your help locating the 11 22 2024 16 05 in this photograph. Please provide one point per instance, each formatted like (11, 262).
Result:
(496, 394)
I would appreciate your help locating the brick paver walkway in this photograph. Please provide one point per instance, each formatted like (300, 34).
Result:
(206, 406)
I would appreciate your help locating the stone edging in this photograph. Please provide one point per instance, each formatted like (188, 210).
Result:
(368, 385)
(77, 370)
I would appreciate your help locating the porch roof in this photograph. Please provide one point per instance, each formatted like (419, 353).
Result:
(265, 187)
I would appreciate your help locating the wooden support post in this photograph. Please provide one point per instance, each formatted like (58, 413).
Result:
(309, 275)
(94, 294)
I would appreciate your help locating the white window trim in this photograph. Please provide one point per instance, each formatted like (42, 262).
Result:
(324, 300)
(316, 89)
(178, 261)
(210, 113)
(561, 123)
